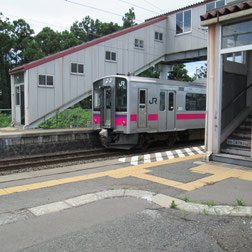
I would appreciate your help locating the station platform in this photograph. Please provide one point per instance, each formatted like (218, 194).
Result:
(22, 142)
(19, 131)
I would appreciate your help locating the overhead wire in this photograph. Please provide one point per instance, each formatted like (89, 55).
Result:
(33, 20)
(98, 9)
(123, 1)
(153, 5)
(135, 19)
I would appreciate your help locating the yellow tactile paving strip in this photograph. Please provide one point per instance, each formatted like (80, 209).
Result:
(219, 173)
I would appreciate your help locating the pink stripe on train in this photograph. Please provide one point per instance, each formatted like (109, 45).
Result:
(96, 119)
(190, 116)
(121, 121)
(153, 117)
(133, 118)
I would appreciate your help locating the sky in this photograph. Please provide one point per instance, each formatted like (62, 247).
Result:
(60, 14)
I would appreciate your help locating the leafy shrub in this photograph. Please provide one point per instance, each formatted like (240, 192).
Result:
(70, 118)
(5, 120)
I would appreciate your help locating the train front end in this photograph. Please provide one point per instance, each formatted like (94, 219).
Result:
(110, 112)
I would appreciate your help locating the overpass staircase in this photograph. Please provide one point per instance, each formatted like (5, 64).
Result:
(239, 142)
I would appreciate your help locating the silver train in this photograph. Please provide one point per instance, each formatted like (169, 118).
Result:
(133, 111)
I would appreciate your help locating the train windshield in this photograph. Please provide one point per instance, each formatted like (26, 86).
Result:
(121, 95)
(97, 94)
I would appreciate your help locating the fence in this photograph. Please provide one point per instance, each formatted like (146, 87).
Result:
(69, 118)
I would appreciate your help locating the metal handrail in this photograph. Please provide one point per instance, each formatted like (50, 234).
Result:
(239, 95)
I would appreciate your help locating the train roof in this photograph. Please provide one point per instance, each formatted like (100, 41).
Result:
(199, 83)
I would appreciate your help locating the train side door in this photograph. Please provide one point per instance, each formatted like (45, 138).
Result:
(162, 110)
(171, 105)
(142, 108)
(107, 108)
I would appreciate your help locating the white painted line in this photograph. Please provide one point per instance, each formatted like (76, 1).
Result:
(134, 160)
(169, 155)
(198, 150)
(189, 151)
(123, 160)
(159, 156)
(180, 153)
(202, 147)
(49, 208)
(147, 158)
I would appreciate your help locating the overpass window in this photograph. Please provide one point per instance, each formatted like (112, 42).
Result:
(184, 22)
(195, 102)
(77, 68)
(220, 3)
(217, 4)
(139, 43)
(110, 56)
(210, 6)
(45, 80)
(158, 36)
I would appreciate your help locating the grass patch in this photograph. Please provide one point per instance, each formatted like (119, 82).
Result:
(5, 120)
(240, 203)
(173, 205)
(208, 203)
(70, 118)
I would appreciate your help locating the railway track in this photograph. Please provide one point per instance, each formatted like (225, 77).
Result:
(36, 161)
(54, 158)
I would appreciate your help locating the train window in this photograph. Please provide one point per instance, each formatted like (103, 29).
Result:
(121, 95)
(171, 101)
(162, 101)
(108, 98)
(195, 102)
(142, 96)
(97, 93)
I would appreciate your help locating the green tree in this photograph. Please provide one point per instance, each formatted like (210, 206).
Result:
(6, 45)
(21, 36)
(150, 73)
(129, 18)
(89, 29)
(179, 72)
(201, 73)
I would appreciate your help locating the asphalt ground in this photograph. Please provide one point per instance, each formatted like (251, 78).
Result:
(35, 214)
(184, 178)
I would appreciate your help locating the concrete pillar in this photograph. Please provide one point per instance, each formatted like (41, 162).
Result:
(164, 71)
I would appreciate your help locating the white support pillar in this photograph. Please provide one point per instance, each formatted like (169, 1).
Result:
(13, 108)
(214, 92)
(26, 97)
(164, 71)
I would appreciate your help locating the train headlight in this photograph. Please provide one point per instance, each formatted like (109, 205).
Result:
(106, 81)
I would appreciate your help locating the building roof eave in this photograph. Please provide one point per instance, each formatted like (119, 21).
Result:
(231, 16)
(226, 13)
